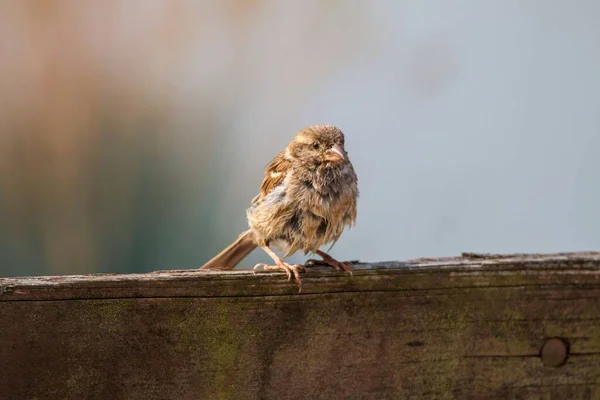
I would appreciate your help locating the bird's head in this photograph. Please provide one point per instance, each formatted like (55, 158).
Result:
(318, 145)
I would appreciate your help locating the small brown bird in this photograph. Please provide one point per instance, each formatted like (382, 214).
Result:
(307, 198)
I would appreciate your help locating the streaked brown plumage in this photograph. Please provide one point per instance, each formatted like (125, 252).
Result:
(307, 198)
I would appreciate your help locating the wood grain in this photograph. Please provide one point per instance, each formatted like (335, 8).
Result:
(465, 327)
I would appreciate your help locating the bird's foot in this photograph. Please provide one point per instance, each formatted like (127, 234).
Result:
(328, 260)
(289, 269)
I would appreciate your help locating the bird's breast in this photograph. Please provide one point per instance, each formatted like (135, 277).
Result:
(305, 212)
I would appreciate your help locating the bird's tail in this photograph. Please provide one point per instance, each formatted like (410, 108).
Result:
(234, 253)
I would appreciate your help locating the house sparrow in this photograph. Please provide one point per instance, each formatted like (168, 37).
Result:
(307, 198)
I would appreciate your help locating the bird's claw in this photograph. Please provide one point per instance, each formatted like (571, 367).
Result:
(338, 265)
(279, 267)
(287, 268)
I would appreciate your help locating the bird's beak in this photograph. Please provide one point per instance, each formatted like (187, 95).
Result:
(335, 154)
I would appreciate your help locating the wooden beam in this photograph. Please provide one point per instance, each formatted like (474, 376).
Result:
(485, 326)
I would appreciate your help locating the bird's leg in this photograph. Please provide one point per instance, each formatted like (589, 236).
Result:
(281, 265)
(327, 259)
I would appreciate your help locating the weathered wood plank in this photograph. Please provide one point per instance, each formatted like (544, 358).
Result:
(451, 328)
(560, 269)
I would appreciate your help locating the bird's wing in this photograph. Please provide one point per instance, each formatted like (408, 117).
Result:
(275, 173)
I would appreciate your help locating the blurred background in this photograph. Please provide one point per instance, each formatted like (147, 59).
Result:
(134, 134)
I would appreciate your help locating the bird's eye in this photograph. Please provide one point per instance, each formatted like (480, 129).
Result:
(315, 145)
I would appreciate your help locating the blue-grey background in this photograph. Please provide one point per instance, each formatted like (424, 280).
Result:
(134, 134)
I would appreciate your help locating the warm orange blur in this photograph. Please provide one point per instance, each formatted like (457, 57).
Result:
(84, 106)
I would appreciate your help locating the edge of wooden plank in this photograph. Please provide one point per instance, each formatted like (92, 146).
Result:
(468, 270)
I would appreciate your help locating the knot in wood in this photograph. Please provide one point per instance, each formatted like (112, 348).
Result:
(554, 352)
